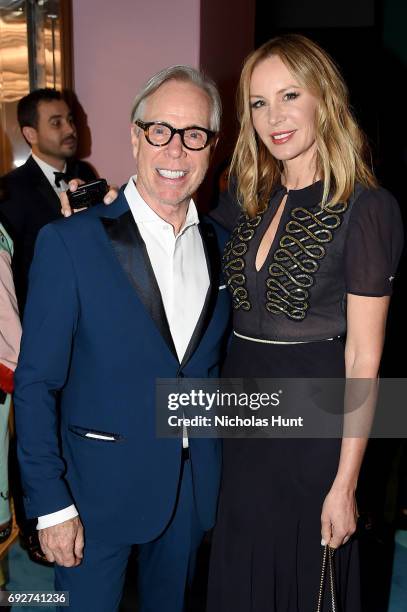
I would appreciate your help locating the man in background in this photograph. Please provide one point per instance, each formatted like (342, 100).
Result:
(30, 193)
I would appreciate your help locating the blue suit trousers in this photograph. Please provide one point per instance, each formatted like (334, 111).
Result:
(165, 566)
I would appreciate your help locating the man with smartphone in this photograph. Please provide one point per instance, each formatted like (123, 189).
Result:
(137, 295)
(30, 193)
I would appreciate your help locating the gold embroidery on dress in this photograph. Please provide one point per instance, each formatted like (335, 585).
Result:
(234, 263)
(295, 262)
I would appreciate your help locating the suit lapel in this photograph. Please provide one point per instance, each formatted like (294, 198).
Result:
(42, 185)
(131, 252)
(212, 255)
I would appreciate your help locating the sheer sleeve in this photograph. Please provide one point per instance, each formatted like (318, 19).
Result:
(374, 244)
(227, 210)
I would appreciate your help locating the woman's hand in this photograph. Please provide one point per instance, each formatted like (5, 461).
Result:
(339, 516)
(66, 209)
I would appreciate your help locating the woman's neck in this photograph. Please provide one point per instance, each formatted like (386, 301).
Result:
(299, 173)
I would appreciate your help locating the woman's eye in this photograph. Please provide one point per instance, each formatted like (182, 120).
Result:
(291, 95)
(257, 104)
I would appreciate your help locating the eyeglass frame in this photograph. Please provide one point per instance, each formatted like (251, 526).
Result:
(145, 125)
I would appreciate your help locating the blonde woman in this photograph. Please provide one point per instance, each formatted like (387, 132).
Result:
(310, 266)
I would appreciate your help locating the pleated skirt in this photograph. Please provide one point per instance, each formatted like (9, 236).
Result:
(266, 551)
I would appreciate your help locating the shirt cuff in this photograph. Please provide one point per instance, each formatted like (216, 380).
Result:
(55, 518)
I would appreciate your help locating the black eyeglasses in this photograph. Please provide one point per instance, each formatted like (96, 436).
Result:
(159, 134)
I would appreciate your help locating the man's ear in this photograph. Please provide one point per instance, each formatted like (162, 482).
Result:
(30, 134)
(135, 134)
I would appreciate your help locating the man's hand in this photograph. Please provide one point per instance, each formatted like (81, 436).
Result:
(67, 211)
(63, 543)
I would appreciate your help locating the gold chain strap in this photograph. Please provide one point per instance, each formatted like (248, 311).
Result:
(328, 552)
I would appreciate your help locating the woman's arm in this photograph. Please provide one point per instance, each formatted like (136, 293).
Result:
(366, 324)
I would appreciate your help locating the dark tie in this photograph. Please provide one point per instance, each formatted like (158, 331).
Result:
(61, 176)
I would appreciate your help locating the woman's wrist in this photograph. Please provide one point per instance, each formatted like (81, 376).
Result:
(345, 485)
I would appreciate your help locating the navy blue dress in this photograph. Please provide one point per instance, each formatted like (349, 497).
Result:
(266, 553)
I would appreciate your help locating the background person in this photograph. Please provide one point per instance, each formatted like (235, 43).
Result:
(30, 193)
(10, 333)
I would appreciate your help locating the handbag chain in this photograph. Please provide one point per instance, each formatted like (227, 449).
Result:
(328, 555)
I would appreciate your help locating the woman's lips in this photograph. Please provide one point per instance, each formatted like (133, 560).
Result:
(280, 138)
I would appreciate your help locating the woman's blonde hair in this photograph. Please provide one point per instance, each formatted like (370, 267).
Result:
(342, 150)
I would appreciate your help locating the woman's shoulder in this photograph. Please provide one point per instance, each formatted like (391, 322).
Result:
(375, 206)
(375, 197)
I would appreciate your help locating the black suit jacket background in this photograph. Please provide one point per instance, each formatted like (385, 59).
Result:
(27, 203)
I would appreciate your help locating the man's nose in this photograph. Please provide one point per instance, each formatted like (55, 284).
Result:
(175, 148)
(70, 128)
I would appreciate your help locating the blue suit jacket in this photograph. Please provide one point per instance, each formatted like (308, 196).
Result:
(95, 328)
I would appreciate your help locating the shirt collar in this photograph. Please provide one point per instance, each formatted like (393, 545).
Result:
(47, 169)
(142, 212)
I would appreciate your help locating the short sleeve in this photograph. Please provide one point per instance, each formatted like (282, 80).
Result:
(374, 244)
(6, 244)
(227, 210)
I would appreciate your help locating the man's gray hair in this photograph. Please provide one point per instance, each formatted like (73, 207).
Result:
(185, 74)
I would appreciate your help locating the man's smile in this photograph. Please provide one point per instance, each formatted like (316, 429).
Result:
(171, 174)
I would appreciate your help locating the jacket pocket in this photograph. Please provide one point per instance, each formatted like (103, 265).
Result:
(94, 434)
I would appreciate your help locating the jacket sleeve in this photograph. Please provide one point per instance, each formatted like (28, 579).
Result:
(49, 324)
(227, 210)
(12, 199)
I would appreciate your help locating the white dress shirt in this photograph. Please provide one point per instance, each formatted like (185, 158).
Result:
(180, 268)
(179, 265)
(49, 173)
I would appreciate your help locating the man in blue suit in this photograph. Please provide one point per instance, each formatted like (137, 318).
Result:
(118, 297)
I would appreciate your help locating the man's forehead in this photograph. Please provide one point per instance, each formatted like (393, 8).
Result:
(178, 100)
(50, 108)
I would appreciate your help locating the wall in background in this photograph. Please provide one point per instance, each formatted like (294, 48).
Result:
(294, 14)
(227, 37)
(394, 15)
(117, 46)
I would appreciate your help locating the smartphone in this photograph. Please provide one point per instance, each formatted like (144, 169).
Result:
(88, 194)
